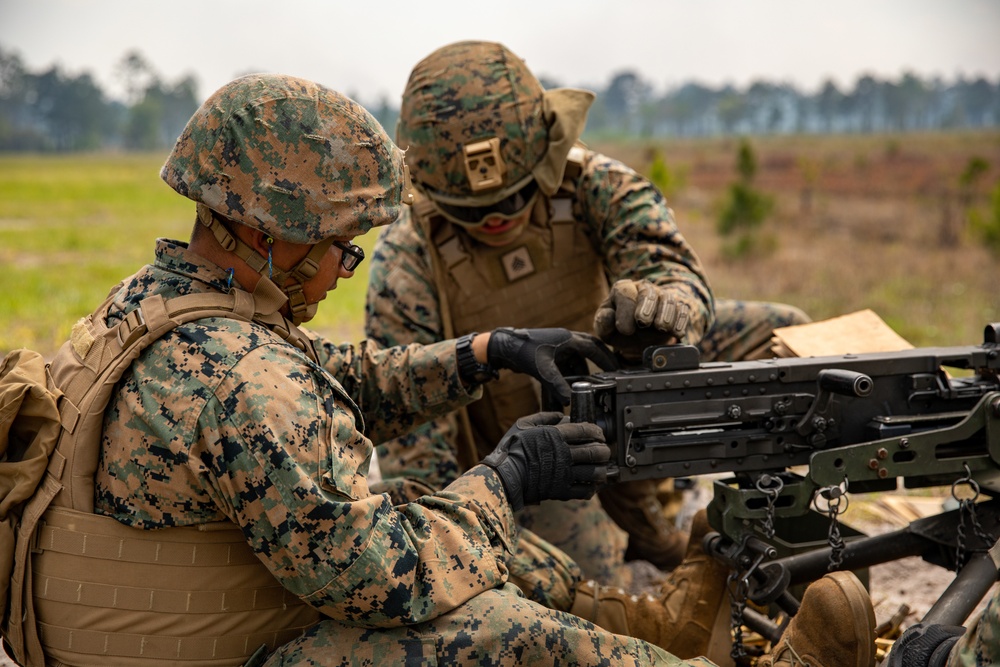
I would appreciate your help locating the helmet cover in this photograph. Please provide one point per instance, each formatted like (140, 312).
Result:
(288, 157)
(470, 105)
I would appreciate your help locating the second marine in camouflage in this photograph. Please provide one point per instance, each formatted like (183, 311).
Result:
(518, 224)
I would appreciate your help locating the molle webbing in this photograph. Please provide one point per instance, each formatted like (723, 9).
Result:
(99, 355)
(564, 290)
(108, 594)
(80, 580)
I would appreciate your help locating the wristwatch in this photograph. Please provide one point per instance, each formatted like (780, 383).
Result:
(470, 370)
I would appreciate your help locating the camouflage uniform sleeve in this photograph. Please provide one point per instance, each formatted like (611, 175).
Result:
(635, 232)
(288, 464)
(398, 388)
(402, 307)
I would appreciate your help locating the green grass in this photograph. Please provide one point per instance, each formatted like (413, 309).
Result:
(71, 227)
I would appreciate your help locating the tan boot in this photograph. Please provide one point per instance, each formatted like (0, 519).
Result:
(690, 612)
(835, 627)
(635, 506)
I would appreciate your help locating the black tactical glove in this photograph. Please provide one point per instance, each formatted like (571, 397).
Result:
(547, 457)
(924, 646)
(638, 313)
(540, 352)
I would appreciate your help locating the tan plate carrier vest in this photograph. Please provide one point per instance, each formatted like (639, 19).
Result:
(88, 590)
(551, 276)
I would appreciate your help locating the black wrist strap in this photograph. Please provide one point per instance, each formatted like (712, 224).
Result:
(470, 370)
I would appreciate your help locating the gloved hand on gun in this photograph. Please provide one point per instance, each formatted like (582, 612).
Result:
(639, 313)
(541, 353)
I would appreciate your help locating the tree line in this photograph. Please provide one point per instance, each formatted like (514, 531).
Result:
(56, 111)
(628, 107)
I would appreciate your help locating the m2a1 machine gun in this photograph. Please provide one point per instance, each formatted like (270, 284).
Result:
(792, 437)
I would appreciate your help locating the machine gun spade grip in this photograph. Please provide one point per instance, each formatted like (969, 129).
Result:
(583, 407)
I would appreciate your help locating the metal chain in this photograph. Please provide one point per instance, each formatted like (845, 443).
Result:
(967, 508)
(771, 487)
(836, 503)
(738, 587)
(737, 605)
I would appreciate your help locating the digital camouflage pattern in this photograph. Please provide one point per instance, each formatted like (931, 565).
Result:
(288, 157)
(508, 631)
(624, 228)
(980, 645)
(463, 93)
(743, 329)
(224, 420)
(631, 230)
(585, 531)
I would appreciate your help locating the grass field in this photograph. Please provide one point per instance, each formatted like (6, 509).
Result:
(857, 225)
(71, 227)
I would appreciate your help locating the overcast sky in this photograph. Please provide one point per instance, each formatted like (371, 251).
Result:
(367, 48)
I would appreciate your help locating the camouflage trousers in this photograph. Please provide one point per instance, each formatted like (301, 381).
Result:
(742, 329)
(584, 531)
(498, 628)
(544, 573)
(980, 645)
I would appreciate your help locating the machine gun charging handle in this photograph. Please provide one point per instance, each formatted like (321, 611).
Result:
(844, 382)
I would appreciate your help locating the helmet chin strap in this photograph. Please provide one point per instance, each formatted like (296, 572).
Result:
(299, 274)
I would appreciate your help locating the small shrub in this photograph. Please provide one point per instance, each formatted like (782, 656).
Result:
(987, 226)
(745, 208)
(667, 180)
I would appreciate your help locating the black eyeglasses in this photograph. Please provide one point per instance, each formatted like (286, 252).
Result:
(351, 256)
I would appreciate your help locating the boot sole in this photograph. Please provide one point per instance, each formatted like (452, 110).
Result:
(862, 614)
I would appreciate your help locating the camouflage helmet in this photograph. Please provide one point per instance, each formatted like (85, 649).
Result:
(288, 157)
(471, 122)
(477, 125)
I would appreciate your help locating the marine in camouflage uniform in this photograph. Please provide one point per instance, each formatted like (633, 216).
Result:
(245, 423)
(226, 421)
(520, 225)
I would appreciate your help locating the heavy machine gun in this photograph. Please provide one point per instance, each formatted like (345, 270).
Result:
(789, 438)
